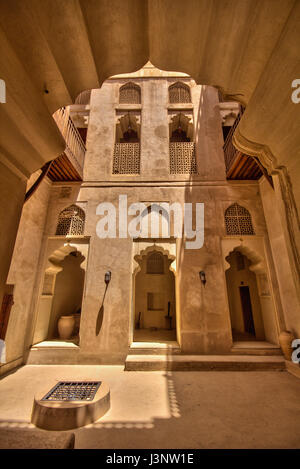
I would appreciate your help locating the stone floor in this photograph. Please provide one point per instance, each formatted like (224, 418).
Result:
(158, 335)
(171, 409)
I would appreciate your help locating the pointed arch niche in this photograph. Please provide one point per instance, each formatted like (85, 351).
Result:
(248, 281)
(155, 315)
(61, 291)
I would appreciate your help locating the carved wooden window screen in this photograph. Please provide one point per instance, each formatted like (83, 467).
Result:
(130, 94)
(182, 158)
(179, 93)
(126, 158)
(238, 221)
(71, 221)
(155, 263)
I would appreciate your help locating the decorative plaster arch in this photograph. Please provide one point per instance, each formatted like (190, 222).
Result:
(138, 258)
(186, 122)
(123, 124)
(252, 250)
(53, 267)
(228, 119)
(56, 257)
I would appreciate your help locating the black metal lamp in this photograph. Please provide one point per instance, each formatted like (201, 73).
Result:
(202, 277)
(107, 277)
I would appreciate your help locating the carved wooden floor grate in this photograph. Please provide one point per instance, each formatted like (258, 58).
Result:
(73, 391)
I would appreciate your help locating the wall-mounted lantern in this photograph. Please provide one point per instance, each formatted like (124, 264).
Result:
(107, 277)
(202, 277)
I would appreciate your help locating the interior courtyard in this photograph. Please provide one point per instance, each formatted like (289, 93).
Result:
(149, 201)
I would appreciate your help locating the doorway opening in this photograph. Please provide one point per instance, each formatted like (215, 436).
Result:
(155, 304)
(243, 297)
(59, 308)
(67, 297)
(247, 310)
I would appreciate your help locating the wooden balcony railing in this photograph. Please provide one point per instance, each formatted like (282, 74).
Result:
(239, 165)
(230, 152)
(75, 147)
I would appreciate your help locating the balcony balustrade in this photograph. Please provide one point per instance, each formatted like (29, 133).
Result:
(69, 165)
(238, 165)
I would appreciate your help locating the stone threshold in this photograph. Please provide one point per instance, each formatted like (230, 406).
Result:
(204, 363)
(57, 344)
(154, 348)
(255, 348)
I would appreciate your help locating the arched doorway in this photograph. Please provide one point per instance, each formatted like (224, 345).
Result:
(154, 302)
(67, 294)
(243, 297)
(61, 293)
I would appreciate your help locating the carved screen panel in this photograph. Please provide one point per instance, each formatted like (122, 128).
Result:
(71, 221)
(179, 93)
(182, 158)
(126, 158)
(155, 263)
(130, 94)
(238, 221)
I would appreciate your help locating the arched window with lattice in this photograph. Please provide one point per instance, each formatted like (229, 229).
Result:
(238, 220)
(155, 263)
(130, 93)
(71, 221)
(179, 93)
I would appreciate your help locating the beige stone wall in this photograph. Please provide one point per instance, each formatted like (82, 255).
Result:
(282, 258)
(156, 112)
(202, 311)
(108, 316)
(23, 271)
(12, 192)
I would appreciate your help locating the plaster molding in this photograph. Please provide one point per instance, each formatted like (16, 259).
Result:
(251, 247)
(138, 258)
(56, 257)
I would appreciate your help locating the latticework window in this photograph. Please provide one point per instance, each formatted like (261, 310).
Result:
(155, 263)
(126, 158)
(130, 94)
(182, 158)
(71, 221)
(238, 221)
(179, 93)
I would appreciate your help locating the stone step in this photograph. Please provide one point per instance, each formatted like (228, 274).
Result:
(204, 363)
(262, 351)
(154, 348)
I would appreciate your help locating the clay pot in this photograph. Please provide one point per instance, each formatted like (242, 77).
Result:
(285, 341)
(65, 327)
